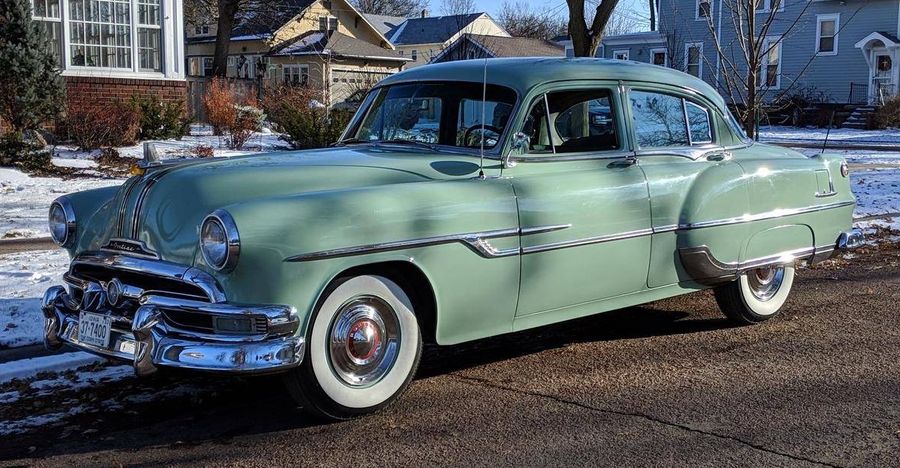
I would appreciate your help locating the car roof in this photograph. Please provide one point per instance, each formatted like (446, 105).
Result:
(523, 74)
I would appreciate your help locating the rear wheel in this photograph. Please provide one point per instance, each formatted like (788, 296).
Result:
(757, 295)
(363, 348)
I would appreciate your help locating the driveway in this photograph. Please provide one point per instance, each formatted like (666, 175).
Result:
(666, 383)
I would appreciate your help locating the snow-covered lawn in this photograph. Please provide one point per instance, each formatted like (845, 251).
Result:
(24, 200)
(23, 279)
(813, 135)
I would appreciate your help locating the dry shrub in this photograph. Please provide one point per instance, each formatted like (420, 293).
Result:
(111, 161)
(93, 127)
(887, 115)
(220, 100)
(203, 151)
(231, 112)
(297, 112)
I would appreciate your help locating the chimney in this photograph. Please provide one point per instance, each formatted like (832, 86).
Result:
(424, 13)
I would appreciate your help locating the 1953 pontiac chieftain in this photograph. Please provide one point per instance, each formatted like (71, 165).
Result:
(464, 200)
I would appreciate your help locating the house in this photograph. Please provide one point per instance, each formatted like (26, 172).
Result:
(422, 39)
(326, 44)
(843, 51)
(475, 46)
(108, 50)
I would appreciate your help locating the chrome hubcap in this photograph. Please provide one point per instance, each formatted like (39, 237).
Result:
(364, 341)
(765, 282)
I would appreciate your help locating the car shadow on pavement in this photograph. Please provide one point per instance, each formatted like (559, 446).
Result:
(181, 409)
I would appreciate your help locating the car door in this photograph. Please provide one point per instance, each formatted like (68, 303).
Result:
(583, 205)
(682, 144)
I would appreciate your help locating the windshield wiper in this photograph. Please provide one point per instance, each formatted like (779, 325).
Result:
(398, 141)
(349, 141)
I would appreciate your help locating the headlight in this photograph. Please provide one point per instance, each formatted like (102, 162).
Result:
(219, 241)
(62, 222)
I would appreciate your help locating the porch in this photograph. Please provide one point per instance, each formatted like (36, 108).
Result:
(881, 51)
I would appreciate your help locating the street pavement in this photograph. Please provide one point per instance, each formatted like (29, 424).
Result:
(668, 383)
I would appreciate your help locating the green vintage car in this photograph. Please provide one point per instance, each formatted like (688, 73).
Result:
(464, 200)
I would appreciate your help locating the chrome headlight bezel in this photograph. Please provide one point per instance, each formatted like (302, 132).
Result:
(69, 225)
(232, 244)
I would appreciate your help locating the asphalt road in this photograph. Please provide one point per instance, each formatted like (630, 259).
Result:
(669, 383)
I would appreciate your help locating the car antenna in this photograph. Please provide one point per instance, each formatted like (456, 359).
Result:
(483, 99)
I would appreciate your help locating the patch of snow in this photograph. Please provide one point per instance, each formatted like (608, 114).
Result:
(858, 156)
(24, 277)
(775, 133)
(24, 200)
(84, 379)
(877, 191)
(29, 368)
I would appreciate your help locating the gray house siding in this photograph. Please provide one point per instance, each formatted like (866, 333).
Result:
(801, 69)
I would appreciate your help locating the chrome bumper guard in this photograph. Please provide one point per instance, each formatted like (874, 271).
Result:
(145, 329)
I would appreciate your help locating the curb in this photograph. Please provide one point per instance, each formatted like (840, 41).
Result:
(26, 245)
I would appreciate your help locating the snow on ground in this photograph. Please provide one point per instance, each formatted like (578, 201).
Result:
(24, 200)
(33, 367)
(836, 135)
(23, 279)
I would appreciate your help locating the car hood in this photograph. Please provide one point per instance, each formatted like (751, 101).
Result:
(164, 207)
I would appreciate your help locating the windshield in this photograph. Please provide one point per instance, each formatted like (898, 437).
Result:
(435, 113)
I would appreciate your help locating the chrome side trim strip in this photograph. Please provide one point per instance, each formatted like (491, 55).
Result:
(586, 241)
(779, 213)
(120, 222)
(476, 241)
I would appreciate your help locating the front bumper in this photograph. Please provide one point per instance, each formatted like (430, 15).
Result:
(151, 329)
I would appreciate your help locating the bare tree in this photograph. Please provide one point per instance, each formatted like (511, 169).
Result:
(521, 20)
(457, 7)
(748, 67)
(653, 15)
(586, 39)
(405, 8)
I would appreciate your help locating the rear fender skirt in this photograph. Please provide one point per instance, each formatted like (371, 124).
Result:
(704, 268)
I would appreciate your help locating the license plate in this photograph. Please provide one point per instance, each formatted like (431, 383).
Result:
(93, 329)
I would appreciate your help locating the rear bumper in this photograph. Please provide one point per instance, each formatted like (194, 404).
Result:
(148, 337)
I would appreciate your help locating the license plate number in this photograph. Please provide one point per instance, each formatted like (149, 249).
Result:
(93, 329)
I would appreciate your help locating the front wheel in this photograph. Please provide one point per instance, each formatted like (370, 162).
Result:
(363, 348)
(757, 295)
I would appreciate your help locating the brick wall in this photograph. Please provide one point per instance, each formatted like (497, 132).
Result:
(88, 92)
(92, 92)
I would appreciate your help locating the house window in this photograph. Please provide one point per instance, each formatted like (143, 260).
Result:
(414, 55)
(100, 33)
(296, 75)
(620, 55)
(704, 9)
(200, 66)
(693, 59)
(46, 13)
(149, 35)
(660, 57)
(767, 5)
(772, 62)
(827, 34)
(328, 23)
(201, 30)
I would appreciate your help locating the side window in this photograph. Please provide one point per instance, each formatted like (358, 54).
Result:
(699, 123)
(468, 125)
(658, 120)
(580, 121)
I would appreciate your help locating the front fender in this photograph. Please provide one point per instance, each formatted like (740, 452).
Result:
(475, 295)
(93, 211)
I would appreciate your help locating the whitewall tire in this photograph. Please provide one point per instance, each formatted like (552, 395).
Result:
(756, 295)
(363, 348)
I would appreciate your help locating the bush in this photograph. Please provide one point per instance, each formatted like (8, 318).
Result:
(887, 115)
(220, 99)
(296, 112)
(248, 119)
(159, 120)
(105, 125)
(204, 151)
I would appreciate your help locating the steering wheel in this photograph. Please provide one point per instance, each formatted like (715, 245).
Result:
(468, 131)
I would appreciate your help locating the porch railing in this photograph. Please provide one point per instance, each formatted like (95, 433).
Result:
(859, 93)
